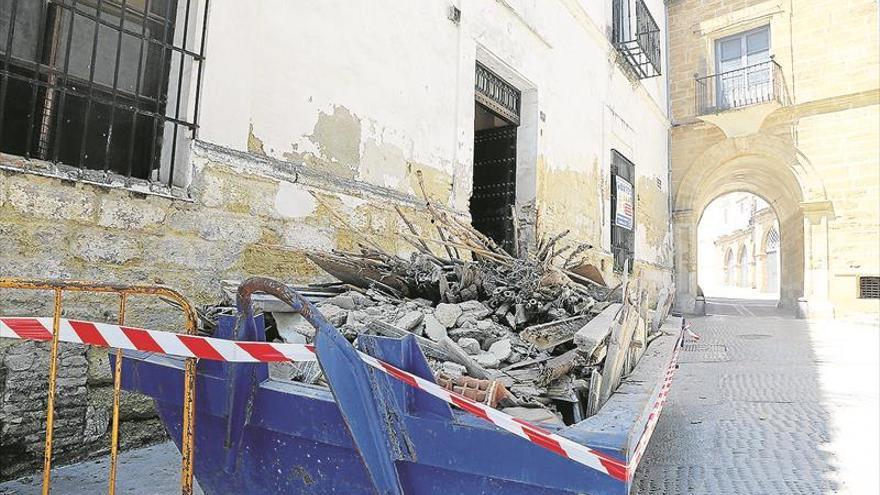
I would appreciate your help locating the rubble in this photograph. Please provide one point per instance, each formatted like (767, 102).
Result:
(531, 332)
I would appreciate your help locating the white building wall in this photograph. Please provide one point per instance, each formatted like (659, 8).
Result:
(383, 87)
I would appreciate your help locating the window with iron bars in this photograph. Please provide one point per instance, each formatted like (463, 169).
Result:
(622, 211)
(107, 86)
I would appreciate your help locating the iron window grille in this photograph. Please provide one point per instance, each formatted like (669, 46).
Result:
(636, 36)
(101, 85)
(497, 94)
(869, 287)
(622, 235)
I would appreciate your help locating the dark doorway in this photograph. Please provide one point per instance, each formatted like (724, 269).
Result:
(496, 118)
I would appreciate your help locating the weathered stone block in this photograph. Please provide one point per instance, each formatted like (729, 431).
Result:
(191, 253)
(95, 245)
(216, 225)
(49, 198)
(123, 212)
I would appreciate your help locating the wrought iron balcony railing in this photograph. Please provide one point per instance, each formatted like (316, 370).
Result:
(637, 37)
(738, 88)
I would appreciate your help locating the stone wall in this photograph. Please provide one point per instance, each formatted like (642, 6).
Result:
(814, 158)
(234, 223)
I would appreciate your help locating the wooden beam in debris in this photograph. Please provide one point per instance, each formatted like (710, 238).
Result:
(548, 335)
(595, 332)
(619, 344)
(664, 303)
(559, 366)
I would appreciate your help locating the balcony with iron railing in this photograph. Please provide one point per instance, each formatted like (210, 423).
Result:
(738, 88)
(636, 37)
(739, 100)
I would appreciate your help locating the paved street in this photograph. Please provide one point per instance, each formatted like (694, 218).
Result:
(762, 405)
(766, 404)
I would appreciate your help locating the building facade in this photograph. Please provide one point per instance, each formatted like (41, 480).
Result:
(183, 143)
(781, 99)
(739, 247)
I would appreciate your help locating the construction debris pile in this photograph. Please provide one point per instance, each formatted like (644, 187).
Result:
(529, 334)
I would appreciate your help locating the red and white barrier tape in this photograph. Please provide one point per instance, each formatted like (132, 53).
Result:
(138, 339)
(190, 346)
(654, 415)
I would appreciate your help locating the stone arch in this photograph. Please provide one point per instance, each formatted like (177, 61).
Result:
(774, 170)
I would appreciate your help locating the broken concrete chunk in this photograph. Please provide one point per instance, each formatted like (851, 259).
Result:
(447, 314)
(294, 338)
(434, 330)
(454, 370)
(472, 312)
(410, 320)
(334, 314)
(487, 360)
(471, 332)
(344, 301)
(534, 415)
(290, 324)
(470, 346)
(501, 349)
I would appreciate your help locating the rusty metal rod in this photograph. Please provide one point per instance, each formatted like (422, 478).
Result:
(50, 398)
(117, 391)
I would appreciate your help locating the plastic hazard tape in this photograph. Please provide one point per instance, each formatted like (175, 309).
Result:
(138, 339)
(190, 346)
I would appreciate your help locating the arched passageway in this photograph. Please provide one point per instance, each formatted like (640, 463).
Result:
(734, 234)
(775, 171)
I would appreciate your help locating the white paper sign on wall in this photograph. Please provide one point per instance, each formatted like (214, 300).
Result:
(624, 208)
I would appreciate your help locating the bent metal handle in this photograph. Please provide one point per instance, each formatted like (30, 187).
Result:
(284, 293)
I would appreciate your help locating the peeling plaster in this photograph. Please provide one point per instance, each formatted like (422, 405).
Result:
(293, 201)
(254, 144)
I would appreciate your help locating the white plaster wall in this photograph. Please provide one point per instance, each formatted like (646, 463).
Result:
(406, 73)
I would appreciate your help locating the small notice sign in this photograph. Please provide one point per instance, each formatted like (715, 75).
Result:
(624, 208)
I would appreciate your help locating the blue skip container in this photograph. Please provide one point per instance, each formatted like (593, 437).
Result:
(370, 433)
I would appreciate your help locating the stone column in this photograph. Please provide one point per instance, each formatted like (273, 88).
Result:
(816, 277)
(684, 231)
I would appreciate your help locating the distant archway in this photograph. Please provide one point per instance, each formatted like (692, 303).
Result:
(776, 171)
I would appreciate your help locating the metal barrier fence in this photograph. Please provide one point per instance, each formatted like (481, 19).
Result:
(123, 291)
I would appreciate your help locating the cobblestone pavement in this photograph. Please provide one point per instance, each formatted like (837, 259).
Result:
(766, 404)
(763, 404)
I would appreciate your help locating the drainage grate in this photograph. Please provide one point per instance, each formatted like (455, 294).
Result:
(705, 353)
